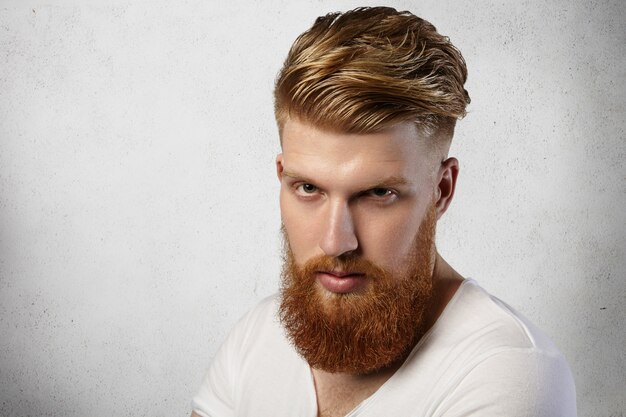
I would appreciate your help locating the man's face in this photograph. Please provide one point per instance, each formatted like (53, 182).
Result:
(359, 220)
(360, 194)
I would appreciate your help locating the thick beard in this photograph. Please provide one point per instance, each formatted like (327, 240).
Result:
(363, 332)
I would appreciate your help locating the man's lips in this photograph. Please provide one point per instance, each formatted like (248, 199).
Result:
(341, 282)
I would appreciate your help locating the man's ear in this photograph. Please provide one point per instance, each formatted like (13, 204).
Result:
(448, 173)
(279, 166)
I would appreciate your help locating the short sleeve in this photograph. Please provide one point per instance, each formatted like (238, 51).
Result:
(513, 383)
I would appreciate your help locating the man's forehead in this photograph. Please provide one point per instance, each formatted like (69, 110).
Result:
(391, 158)
(392, 143)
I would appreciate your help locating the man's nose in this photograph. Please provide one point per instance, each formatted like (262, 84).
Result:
(338, 236)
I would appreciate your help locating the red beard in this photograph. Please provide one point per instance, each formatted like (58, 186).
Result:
(363, 332)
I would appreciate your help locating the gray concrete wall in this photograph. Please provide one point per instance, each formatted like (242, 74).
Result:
(138, 203)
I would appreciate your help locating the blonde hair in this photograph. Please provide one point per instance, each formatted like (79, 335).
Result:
(369, 68)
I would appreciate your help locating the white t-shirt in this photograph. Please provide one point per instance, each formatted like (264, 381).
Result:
(481, 358)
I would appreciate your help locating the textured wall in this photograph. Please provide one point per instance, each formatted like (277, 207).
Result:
(138, 203)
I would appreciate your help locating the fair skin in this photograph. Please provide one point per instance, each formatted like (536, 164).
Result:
(366, 194)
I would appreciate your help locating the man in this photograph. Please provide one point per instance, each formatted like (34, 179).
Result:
(370, 320)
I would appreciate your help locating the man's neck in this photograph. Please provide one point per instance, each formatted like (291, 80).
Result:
(446, 282)
(339, 393)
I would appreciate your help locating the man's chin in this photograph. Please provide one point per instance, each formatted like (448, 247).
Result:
(355, 332)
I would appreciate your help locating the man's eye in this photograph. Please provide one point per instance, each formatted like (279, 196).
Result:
(307, 188)
(380, 192)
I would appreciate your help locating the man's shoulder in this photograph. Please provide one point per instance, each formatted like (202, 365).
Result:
(499, 354)
(480, 351)
(259, 319)
(267, 306)
(478, 318)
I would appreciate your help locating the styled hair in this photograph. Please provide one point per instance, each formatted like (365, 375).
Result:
(369, 68)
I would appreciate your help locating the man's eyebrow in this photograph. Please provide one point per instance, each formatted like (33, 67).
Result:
(392, 181)
(295, 176)
(389, 182)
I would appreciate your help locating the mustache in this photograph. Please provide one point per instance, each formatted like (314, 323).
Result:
(351, 264)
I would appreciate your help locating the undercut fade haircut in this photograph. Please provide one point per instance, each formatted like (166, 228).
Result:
(367, 69)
